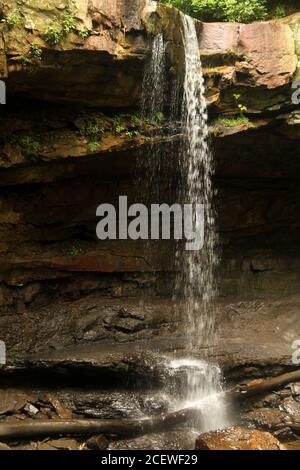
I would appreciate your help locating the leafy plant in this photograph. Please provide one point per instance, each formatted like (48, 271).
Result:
(119, 124)
(34, 54)
(84, 33)
(14, 19)
(92, 130)
(54, 33)
(223, 10)
(136, 120)
(280, 12)
(94, 133)
(131, 133)
(242, 108)
(60, 28)
(67, 22)
(93, 146)
(30, 145)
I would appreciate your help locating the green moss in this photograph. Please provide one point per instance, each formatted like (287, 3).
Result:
(234, 121)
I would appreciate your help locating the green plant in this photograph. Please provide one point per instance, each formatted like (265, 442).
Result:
(119, 124)
(34, 54)
(59, 28)
(67, 22)
(84, 33)
(131, 133)
(53, 34)
(14, 19)
(159, 118)
(242, 108)
(93, 132)
(74, 251)
(223, 10)
(280, 12)
(93, 146)
(30, 145)
(231, 121)
(136, 120)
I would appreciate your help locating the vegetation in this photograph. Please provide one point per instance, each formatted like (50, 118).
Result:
(231, 121)
(84, 33)
(242, 108)
(29, 144)
(34, 54)
(94, 134)
(234, 121)
(14, 19)
(60, 28)
(244, 11)
(75, 251)
(280, 11)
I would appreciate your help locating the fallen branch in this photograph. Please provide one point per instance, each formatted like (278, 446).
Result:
(127, 427)
(260, 386)
(120, 427)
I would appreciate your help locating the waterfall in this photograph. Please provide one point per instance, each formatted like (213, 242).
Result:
(153, 95)
(195, 289)
(196, 281)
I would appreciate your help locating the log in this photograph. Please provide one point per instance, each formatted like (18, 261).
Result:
(119, 427)
(127, 427)
(260, 386)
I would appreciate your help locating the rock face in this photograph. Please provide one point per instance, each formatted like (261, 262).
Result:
(78, 68)
(238, 439)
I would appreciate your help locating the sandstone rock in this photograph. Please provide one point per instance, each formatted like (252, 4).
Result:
(237, 438)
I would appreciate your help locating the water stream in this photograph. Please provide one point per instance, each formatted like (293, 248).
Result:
(195, 287)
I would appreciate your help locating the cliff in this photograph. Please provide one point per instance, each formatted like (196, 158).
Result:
(70, 139)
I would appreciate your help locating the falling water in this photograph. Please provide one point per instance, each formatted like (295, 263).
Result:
(196, 281)
(153, 96)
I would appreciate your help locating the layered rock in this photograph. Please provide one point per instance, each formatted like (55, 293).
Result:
(81, 64)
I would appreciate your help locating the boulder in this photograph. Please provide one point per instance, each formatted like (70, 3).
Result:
(238, 438)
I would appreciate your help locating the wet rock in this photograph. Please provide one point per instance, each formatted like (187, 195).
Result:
(237, 438)
(292, 407)
(175, 440)
(97, 443)
(266, 418)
